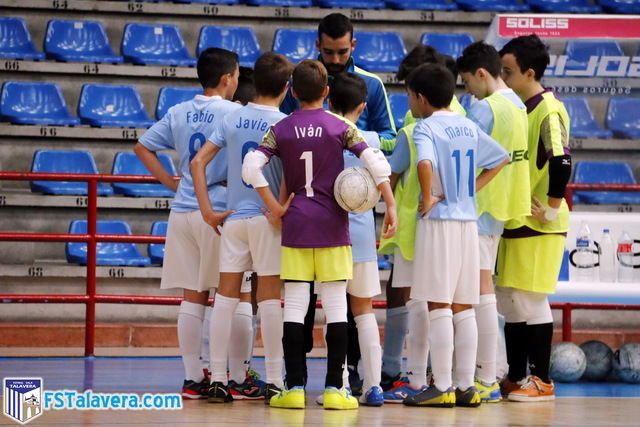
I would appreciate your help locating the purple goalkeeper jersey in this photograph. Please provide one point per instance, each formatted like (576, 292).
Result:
(310, 144)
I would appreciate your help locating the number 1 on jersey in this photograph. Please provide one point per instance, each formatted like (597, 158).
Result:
(307, 156)
(471, 176)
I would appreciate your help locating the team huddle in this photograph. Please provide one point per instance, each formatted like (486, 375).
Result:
(467, 199)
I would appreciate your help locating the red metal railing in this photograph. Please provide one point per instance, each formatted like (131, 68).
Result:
(91, 297)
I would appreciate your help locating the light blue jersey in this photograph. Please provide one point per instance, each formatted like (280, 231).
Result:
(362, 228)
(456, 147)
(241, 132)
(399, 158)
(481, 113)
(185, 128)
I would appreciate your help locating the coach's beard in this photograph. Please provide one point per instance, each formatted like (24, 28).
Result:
(335, 69)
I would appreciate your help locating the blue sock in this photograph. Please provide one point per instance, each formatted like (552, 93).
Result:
(395, 330)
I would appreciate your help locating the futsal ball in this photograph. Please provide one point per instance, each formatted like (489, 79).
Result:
(355, 190)
(568, 362)
(599, 359)
(626, 363)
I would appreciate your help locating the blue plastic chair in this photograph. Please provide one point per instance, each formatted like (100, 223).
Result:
(80, 41)
(112, 106)
(107, 253)
(379, 51)
(579, 52)
(353, 4)
(127, 163)
(241, 40)
(170, 96)
(399, 107)
(296, 44)
(564, 6)
(156, 250)
(623, 118)
(448, 44)
(15, 40)
(493, 5)
(583, 124)
(30, 103)
(422, 5)
(148, 44)
(587, 172)
(620, 6)
(295, 3)
(60, 161)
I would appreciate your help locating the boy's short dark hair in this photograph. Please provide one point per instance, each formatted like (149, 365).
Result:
(246, 91)
(272, 72)
(433, 81)
(529, 52)
(421, 54)
(335, 25)
(309, 80)
(213, 63)
(480, 55)
(449, 62)
(348, 90)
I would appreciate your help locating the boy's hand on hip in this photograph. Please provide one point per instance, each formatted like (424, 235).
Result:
(215, 219)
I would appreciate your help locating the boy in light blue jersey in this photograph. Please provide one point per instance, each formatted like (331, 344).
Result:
(446, 269)
(192, 246)
(249, 242)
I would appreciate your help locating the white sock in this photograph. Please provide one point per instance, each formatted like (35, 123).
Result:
(417, 343)
(441, 346)
(220, 334)
(240, 342)
(502, 367)
(204, 352)
(370, 349)
(189, 337)
(466, 344)
(271, 329)
(487, 321)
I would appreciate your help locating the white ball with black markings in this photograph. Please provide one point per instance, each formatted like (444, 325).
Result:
(355, 190)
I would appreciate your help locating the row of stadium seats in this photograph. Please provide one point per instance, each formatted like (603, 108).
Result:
(589, 172)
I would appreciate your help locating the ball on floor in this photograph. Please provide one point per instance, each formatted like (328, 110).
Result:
(568, 362)
(626, 363)
(599, 359)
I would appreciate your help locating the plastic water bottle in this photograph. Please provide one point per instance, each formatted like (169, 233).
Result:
(625, 258)
(607, 258)
(584, 256)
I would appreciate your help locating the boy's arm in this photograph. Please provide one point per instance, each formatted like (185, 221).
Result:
(150, 160)
(425, 175)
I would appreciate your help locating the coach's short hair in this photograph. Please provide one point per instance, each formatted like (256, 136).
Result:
(213, 63)
(480, 55)
(348, 90)
(272, 72)
(433, 81)
(530, 52)
(310, 79)
(335, 25)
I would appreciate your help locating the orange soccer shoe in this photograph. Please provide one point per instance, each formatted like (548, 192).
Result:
(533, 389)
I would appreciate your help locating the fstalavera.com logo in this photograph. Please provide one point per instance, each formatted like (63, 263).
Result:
(22, 398)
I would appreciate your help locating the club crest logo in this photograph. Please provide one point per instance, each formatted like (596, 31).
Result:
(22, 398)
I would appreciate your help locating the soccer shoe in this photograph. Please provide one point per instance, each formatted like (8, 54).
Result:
(292, 398)
(252, 373)
(533, 389)
(248, 390)
(387, 382)
(470, 398)
(401, 391)
(194, 390)
(270, 390)
(489, 394)
(432, 397)
(507, 386)
(334, 398)
(355, 383)
(219, 393)
(373, 397)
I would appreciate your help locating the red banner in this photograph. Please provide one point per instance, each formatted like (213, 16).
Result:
(570, 26)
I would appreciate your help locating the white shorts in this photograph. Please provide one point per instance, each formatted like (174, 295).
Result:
(488, 251)
(447, 264)
(402, 271)
(518, 306)
(191, 253)
(366, 280)
(250, 244)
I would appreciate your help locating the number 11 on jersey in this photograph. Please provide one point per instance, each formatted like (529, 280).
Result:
(307, 156)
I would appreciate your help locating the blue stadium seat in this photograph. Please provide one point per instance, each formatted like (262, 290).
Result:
(379, 51)
(493, 5)
(579, 51)
(623, 118)
(112, 106)
(449, 44)
(15, 40)
(399, 107)
(59, 161)
(298, 3)
(564, 6)
(170, 96)
(296, 44)
(156, 250)
(127, 163)
(422, 5)
(583, 124)
(354, 4)
(107, 253)
(80, 41)
(587, 172)
(241, 40)
(621, 6)
(155, 44)
(33, 103)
